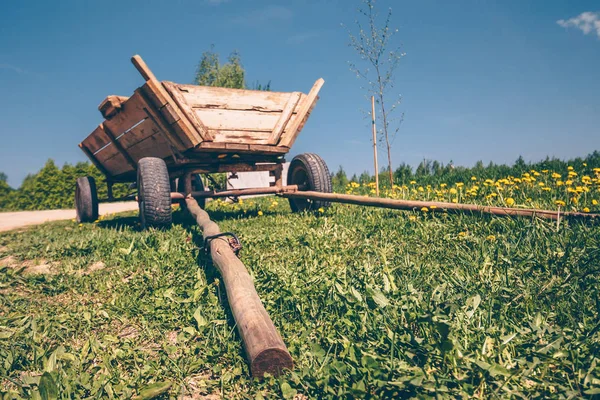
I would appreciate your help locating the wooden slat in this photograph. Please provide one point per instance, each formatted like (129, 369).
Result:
(154, 146)
(172, 136)
(284, 118)
(94, 161)
(119, 147)
(181, 102)
(140, 132)
(232, 99)
(293, 129)
(132, 112)
(117, 165)
(248, 137)
(237, 120)
(96, 140)
(216, 146)
(160, 98)
(111, 105)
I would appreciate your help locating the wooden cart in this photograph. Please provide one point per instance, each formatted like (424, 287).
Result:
(166, 133)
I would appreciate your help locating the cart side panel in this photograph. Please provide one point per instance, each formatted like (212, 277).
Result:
(235, 115)
(128, 135)
(96, 140)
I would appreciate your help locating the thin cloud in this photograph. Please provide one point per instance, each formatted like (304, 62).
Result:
(11, 67)
(18, 70)
(302, 37)
(264, 15)
(587, 22)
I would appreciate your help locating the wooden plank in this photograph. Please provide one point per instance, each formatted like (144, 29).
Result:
(140, 132)
(96, 140)
(293, 129)
(227, 136)
(119, 147)
(237, 120)
(153, 146)
(265, 349)
(284, 118)
(117, 165)
(181, 102)
(132, 112)
(94, 161)
(232, 99)
(169, 132)
(160, 98)
(219, 146)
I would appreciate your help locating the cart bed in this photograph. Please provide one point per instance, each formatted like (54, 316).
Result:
(188, 124)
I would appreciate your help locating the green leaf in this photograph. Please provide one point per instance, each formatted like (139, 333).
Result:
(356, 294)
(47, 387)
(154, 390)
(379, 298)
(287, 391)
(200, 320)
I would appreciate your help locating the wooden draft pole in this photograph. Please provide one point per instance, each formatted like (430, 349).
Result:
(265, 349)
(431, 205)
(375, 145)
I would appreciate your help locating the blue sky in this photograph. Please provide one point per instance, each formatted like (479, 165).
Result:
(481, 80)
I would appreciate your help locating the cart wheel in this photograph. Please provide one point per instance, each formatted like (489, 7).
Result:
(197, 186)
(86, 199)
(310, 170)
(154, 193)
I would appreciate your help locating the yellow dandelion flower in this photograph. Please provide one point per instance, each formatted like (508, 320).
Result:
(574, 200)
(570, 168)
(510, 202)
(453, 191)
(412, 218)
(585, 209)
(455, 200)
(560, 203)
(433, 207)
(424, 209)
(260, 212)
(413, 182)
(491, 238)
(462, 234)
(473, 178)
(321, 210)
(595, 202)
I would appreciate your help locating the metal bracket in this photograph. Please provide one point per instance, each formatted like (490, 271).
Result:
(234, 242)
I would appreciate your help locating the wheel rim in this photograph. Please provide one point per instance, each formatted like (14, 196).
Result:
(300, 177)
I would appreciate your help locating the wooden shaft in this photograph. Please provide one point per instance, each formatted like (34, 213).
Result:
(375, 146)
(265, 349)
(417, 205)
(143, 69)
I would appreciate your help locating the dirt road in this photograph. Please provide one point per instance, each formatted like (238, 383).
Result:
(12, 220)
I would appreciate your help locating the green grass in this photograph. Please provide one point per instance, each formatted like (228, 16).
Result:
(370, 302)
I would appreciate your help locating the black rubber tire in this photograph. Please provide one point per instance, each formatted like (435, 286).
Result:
(154, 193)
(197, 186)
(86, 199)
(310, 170)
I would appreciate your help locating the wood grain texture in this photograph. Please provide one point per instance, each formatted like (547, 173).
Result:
(232, 99)
(265, 350)
(183, 105)
(111, 105)
(132, 112)
(308, 103)
(96, 140)
(284, 117)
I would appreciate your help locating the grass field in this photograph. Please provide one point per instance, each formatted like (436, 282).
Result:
(371, 303)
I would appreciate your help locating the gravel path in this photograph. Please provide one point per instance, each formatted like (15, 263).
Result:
(13, 220)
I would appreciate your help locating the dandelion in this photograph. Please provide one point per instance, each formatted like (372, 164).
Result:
(510, 201)
(412, 218)
(424, 209)
(433, 207)
(321, 210)
(490, 238)
(585, 209)
(473, 178)
(570, 168)
(80, 225)
(462, 234)
(560, 203)
(413, 182)
(260, 212)
(453, 191)
(455, 200)
(574, 200)
(595, 202)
